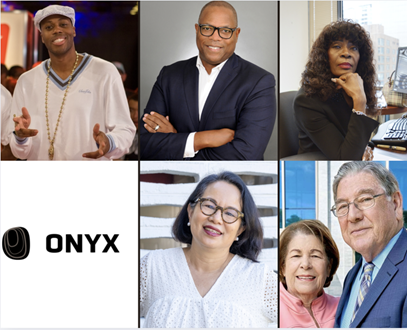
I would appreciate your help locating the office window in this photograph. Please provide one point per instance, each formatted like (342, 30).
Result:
(298, 200)
(380, 67)
(399, 169)
(386, 25)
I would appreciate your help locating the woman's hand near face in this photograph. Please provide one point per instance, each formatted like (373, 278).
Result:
(352, 84)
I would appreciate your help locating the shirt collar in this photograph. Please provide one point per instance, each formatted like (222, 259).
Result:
(381, 257)
(200, 66)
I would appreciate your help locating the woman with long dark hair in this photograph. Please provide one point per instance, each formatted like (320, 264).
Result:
(216, 281)
(336, 104)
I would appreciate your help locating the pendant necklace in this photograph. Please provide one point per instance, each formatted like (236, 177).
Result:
(51, 148)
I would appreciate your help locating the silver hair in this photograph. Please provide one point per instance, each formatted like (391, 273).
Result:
(384, 177)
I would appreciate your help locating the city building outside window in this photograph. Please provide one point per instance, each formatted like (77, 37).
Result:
(386, 23)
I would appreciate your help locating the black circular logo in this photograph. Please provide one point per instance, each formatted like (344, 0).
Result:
(16, 243)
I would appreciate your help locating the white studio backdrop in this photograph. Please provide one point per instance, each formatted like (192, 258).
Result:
(70, 290)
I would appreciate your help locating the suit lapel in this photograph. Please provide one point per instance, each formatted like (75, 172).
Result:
(225, 77)
(346, 293)
(191, 81)
(383, 278)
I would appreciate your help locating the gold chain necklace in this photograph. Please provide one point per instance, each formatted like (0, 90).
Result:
(51, 148)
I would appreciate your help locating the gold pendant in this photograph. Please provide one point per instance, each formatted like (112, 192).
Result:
(51, 152)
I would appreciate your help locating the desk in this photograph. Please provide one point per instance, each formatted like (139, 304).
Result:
(384, 154)
(390, 110)
(381, 154)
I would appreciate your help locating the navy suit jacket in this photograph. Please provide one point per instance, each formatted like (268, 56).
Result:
(242, 99)
(385, 305)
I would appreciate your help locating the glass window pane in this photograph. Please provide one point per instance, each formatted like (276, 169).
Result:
(298, 214)
(299, 191)
(387, 25)
(399, 169)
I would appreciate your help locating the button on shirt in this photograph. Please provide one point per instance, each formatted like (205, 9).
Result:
(205, 85)
(378, 263)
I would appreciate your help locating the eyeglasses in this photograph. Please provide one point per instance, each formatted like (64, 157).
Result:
(208, 30)
(363, 202)
(209, 207)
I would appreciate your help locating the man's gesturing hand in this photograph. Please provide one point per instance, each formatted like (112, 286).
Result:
(22, 123)
(103, 142)
(155, 120)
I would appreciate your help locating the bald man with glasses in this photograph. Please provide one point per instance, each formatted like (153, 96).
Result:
(369, 208)
(215, 106)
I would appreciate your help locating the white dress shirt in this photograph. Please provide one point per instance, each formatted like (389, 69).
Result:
(205, 85)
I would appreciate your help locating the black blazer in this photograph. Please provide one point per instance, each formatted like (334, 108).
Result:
(242, 98)
(331, 127)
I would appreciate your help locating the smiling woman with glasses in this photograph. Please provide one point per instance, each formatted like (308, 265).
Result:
(216, 281)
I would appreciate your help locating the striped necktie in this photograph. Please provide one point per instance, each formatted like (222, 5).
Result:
(364, 286)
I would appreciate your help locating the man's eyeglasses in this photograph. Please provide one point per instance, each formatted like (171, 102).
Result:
(363, 202)
(208, 30)
(209, 207)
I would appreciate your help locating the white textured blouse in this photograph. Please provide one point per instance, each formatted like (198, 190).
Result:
(244, 295)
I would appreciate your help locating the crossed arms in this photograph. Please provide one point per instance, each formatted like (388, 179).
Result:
(238, 127)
